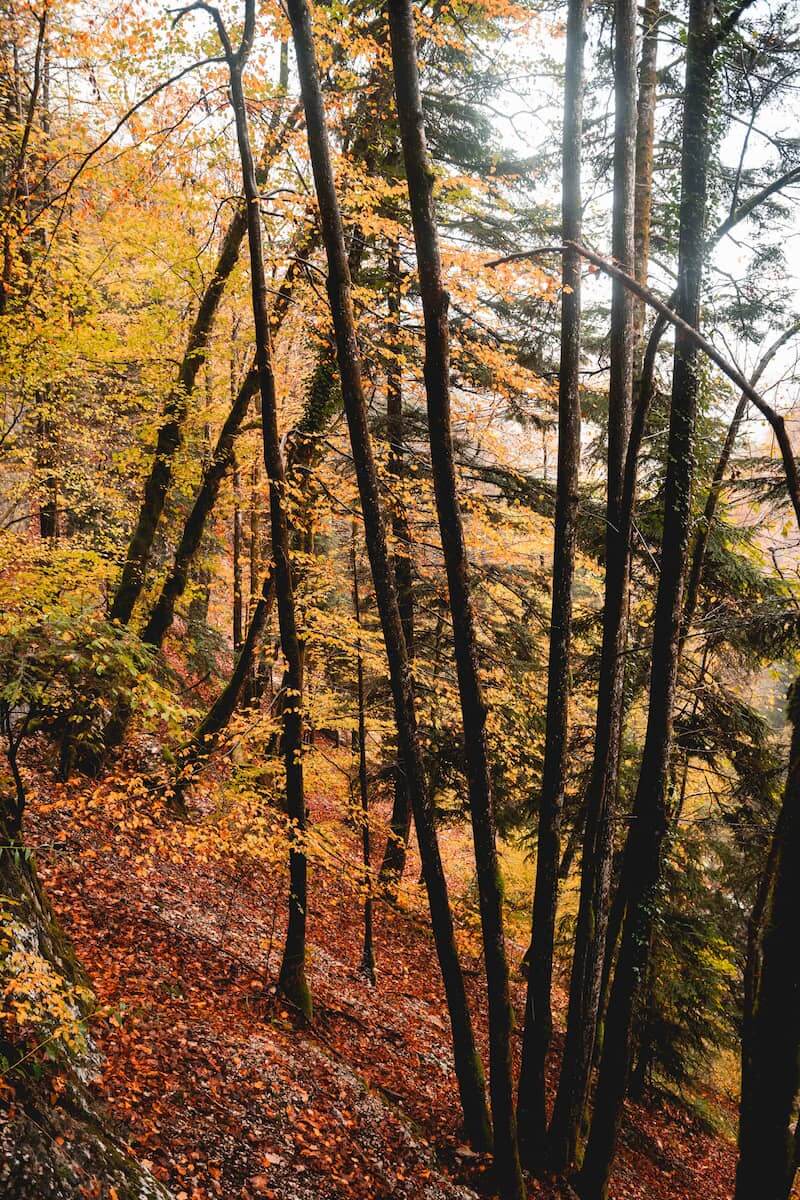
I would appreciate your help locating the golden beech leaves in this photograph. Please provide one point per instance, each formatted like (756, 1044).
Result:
(40, 1003)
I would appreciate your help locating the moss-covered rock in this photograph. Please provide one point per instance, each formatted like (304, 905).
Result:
(55, 1143)
(65, 1150)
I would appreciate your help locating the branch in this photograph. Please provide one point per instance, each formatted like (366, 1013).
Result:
(214, 13)
(248, 36)
(735, 218)
(15, 419)
(122, 121)
(519, 255)
(748, 205)
(775, 420)
(729, 23)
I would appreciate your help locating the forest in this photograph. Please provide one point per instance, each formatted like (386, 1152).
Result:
(399, 600)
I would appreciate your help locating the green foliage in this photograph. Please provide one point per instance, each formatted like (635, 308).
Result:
(691, 1008)
(64, 668)
(37, 1001)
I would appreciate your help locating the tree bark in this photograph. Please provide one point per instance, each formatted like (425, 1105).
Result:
(368, 951)
(255, 547)
(238, 609)
(537, 1034)
(420, 178)
(302, 451)
(602, 795)
(169, 435)
(163, 612)
(645, 134)
(771, 1034)
(394, 855)
(292, 978)
(467, 1061)
(46, 461)
(644, 381)
(642, 864)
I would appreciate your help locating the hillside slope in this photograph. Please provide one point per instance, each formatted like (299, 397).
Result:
(223, 1094)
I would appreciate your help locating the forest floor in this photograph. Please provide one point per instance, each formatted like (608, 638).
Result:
(217, 1086)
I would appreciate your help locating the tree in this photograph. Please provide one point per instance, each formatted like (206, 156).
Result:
(537, 1033)
(169, 435)
(394, 856)
(419, 173)
(292, 978)
(368, 953)
(220, 462)
(649, 827)
(467, 1062)
(771, 1035)
(602, 794)
(432, 418)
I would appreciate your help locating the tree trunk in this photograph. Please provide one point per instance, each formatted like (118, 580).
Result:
(420, 177)
(753, 961)
(169, 435)
(467, 1060)
(292, 978)
(537, 1034)
(237, 607)
(642, 864)
(238, 611)
(771, 1036)
(644, 382)
(645, 133)
(394, 855)
(602, 795)
(368, 953)
(46, 457)
(252, 690)
(163, 612)
(395, 851)
(303, 449)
